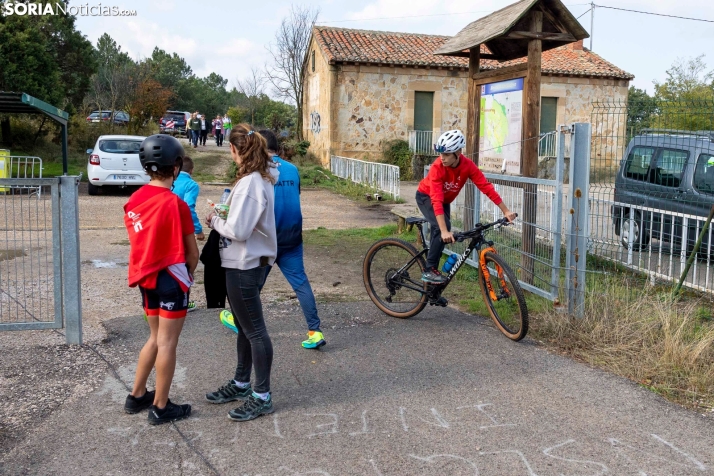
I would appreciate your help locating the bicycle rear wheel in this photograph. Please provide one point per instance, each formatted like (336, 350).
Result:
(508, 310)
(397, 292)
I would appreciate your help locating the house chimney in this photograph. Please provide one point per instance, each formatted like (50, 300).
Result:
(578, 45)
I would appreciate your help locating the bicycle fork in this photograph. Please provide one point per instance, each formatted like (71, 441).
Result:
(487, 276)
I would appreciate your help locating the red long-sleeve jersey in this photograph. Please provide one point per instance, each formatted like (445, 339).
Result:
(443, 184)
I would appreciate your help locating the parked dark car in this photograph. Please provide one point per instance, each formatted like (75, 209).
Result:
(174, 122)
(664, 171)
(120, 117)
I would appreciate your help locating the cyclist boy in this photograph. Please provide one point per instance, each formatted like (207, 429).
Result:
(446, 177)
(162, 258)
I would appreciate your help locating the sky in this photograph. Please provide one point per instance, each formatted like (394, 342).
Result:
(229, 38)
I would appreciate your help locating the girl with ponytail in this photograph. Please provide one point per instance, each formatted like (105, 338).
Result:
(248, 246)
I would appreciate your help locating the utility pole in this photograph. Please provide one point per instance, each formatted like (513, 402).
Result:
(592, 23)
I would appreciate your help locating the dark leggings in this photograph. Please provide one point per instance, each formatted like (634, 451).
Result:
(436, 246)
(253, 344)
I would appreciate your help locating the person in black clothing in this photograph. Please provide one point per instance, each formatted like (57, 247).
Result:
(205, 124)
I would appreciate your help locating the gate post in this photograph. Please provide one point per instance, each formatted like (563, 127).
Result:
(71, 277)
(557, 222)
(579, 220)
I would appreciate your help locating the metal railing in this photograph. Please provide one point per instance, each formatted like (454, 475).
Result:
(655, 242)
(384, 177)
(422, 142)
(547, 144)
(22, 167)
(39, 256)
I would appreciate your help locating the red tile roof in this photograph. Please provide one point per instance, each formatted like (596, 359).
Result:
(383, 47)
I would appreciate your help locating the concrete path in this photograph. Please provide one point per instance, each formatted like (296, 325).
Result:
(442, 393)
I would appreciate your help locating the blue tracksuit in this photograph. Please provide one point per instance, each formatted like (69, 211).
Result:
(187, 189)
(288, 225)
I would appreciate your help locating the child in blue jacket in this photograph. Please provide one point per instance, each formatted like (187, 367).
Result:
(187, 189)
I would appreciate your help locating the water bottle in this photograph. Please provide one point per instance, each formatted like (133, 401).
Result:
(224, 197)
(450, 262)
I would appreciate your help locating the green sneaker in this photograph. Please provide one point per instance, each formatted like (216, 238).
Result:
(191, 306)
(226, 317)
(315, 340)
(253, 407)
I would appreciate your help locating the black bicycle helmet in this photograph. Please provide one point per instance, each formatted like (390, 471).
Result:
(160, 150)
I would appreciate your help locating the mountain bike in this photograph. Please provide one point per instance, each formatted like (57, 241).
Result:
(392, 272)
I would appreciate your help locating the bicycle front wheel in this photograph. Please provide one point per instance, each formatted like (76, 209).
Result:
(392, 275)
(504, 297)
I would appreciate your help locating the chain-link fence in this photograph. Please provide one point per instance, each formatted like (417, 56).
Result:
(39, 255)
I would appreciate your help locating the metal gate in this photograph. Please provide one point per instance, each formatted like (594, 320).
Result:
(561, 227)
(39, 255)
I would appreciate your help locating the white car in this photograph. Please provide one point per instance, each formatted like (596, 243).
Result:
(114, 161)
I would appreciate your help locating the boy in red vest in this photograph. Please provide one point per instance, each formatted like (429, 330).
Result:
(162, 259)
(446, 177)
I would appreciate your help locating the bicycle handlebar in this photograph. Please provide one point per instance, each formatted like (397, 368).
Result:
(480, 228)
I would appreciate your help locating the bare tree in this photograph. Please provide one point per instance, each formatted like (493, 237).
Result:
(253, 87)
(289, 54)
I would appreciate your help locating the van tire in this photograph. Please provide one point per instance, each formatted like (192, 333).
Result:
(638, 227)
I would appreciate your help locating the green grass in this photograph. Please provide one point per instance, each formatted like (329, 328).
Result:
(312, 175)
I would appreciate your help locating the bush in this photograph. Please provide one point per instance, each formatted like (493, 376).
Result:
(292, 148)
(397, 152)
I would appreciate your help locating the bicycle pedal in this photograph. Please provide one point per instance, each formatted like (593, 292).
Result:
(442, 301)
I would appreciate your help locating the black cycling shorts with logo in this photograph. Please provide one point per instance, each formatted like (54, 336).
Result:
(168, 300)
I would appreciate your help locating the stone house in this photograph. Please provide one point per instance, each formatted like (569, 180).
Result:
(362, 88)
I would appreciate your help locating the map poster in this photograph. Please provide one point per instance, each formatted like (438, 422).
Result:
(501, 124)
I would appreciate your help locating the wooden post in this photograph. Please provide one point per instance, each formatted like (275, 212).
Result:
(473, 126)
(531, 132)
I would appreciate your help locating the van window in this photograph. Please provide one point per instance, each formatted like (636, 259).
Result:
(669, 168)
(120, 146)
(704, 174)
(638, 162)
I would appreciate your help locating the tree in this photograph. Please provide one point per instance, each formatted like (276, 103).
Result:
(686, 97)
(111, 85)
(147, 99)
(252, 87)
(641, 108)
(46, 57)
(290, 56)
(686, 80)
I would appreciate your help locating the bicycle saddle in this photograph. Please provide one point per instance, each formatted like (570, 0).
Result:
(414, 220)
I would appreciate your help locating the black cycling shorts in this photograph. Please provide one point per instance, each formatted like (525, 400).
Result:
(168, 300)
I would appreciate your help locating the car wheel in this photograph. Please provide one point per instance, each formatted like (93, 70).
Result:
(634, 222)
(92, 189)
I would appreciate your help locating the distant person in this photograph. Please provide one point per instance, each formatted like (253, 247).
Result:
(218, 130)
(195, 126)
(248, 245)
(227, 126)
(288, 225)
(188, 189)
(162, 258)
(203, 130)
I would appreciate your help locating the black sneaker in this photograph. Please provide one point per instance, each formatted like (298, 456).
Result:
(171, 412)
(138, 404)
(229, 393)
(433, 276)
(252, 409)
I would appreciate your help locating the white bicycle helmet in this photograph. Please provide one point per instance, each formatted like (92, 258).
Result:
(450, 141)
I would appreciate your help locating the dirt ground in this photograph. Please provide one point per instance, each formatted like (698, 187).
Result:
(38, 372)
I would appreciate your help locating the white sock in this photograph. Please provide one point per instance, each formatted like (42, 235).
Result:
(262, 396)
(242, 384)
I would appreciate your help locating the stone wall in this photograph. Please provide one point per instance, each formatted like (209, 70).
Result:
(317, 96)
(374, 104)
